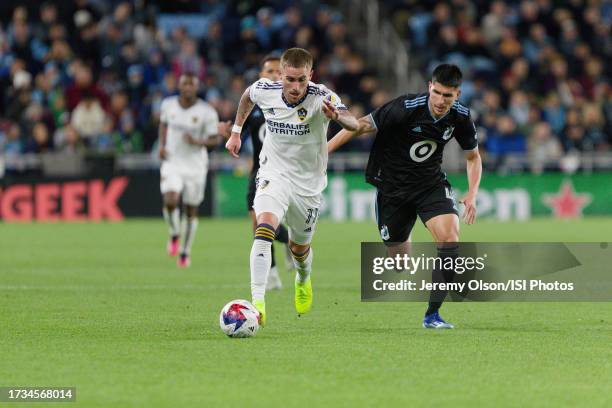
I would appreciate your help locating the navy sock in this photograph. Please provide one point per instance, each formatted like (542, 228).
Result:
(436, 297)
(282, 235)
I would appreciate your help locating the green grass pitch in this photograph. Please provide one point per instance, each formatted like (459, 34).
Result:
(101, 307)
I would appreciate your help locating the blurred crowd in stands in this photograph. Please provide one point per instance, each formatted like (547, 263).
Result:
(92, 75)
(537, 71)
(89, 75)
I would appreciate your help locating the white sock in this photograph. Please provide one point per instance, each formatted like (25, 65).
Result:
(261, 259)
(172, 219)
(190, 225)
(303, 266)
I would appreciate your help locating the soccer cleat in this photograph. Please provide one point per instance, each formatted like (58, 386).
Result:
(434, 321)
(274, 281)
(260, 305)
(173, 246)
(303, 296)
(183, 261)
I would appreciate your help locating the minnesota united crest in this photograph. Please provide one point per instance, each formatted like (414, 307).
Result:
(384, 232)
(302, 113)
(448, 133)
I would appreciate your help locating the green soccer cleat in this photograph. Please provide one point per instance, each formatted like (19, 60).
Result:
(260, 305)
(303, 296)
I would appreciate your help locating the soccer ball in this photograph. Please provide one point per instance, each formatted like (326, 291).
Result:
(239, 318)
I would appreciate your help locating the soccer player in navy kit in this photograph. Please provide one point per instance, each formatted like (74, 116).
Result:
(405, 167)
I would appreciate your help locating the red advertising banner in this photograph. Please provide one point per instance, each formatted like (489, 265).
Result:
(82, 200)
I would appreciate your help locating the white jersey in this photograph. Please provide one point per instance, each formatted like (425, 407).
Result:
(200, 120)
(295, 147)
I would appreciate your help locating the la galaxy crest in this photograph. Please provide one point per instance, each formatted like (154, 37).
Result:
(302, 113)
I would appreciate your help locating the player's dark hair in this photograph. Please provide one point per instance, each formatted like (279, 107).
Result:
(268, 58)
(297, 58)
(447, 75)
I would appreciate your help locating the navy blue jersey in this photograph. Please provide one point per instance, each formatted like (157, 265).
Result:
(406, 156)
(256, 129)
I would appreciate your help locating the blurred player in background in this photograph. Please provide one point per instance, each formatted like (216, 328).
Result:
(256, 129)
(293, 166)
(188, 126)
(405, 167)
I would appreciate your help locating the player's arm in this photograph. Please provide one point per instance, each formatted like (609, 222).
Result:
(223, 132)
(224, 129)
(389, 115)
(163, 129)
(341, 116)
(163, 134)
(210, 141)
(474, 173)
(244, 110)
(467, 138)
(365, 125)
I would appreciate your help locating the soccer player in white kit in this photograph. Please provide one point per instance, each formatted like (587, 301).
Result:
(188, 125)
(293, 167)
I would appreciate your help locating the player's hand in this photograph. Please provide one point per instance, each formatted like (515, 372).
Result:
(330, 110)
(189, 139)
(469, 214)
(163, 153)
(224, 129)
(233, 144)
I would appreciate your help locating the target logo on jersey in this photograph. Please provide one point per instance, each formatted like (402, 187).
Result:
(423, 150)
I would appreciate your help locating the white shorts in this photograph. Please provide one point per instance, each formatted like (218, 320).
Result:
(299, 212)
(190, 185)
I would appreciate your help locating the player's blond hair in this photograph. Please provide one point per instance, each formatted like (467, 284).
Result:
(297, 58)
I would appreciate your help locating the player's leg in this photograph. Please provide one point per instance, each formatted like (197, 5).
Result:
(302, 259)
(302, 217)
(273, 282)
(171, 185)
(282, 236)
(190, 226)
(270, 205)
(395, 220)
(193, 195)
(439, 213)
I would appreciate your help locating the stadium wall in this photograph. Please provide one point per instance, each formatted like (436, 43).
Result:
(505, 198)
(85, 199)
(347, 198)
